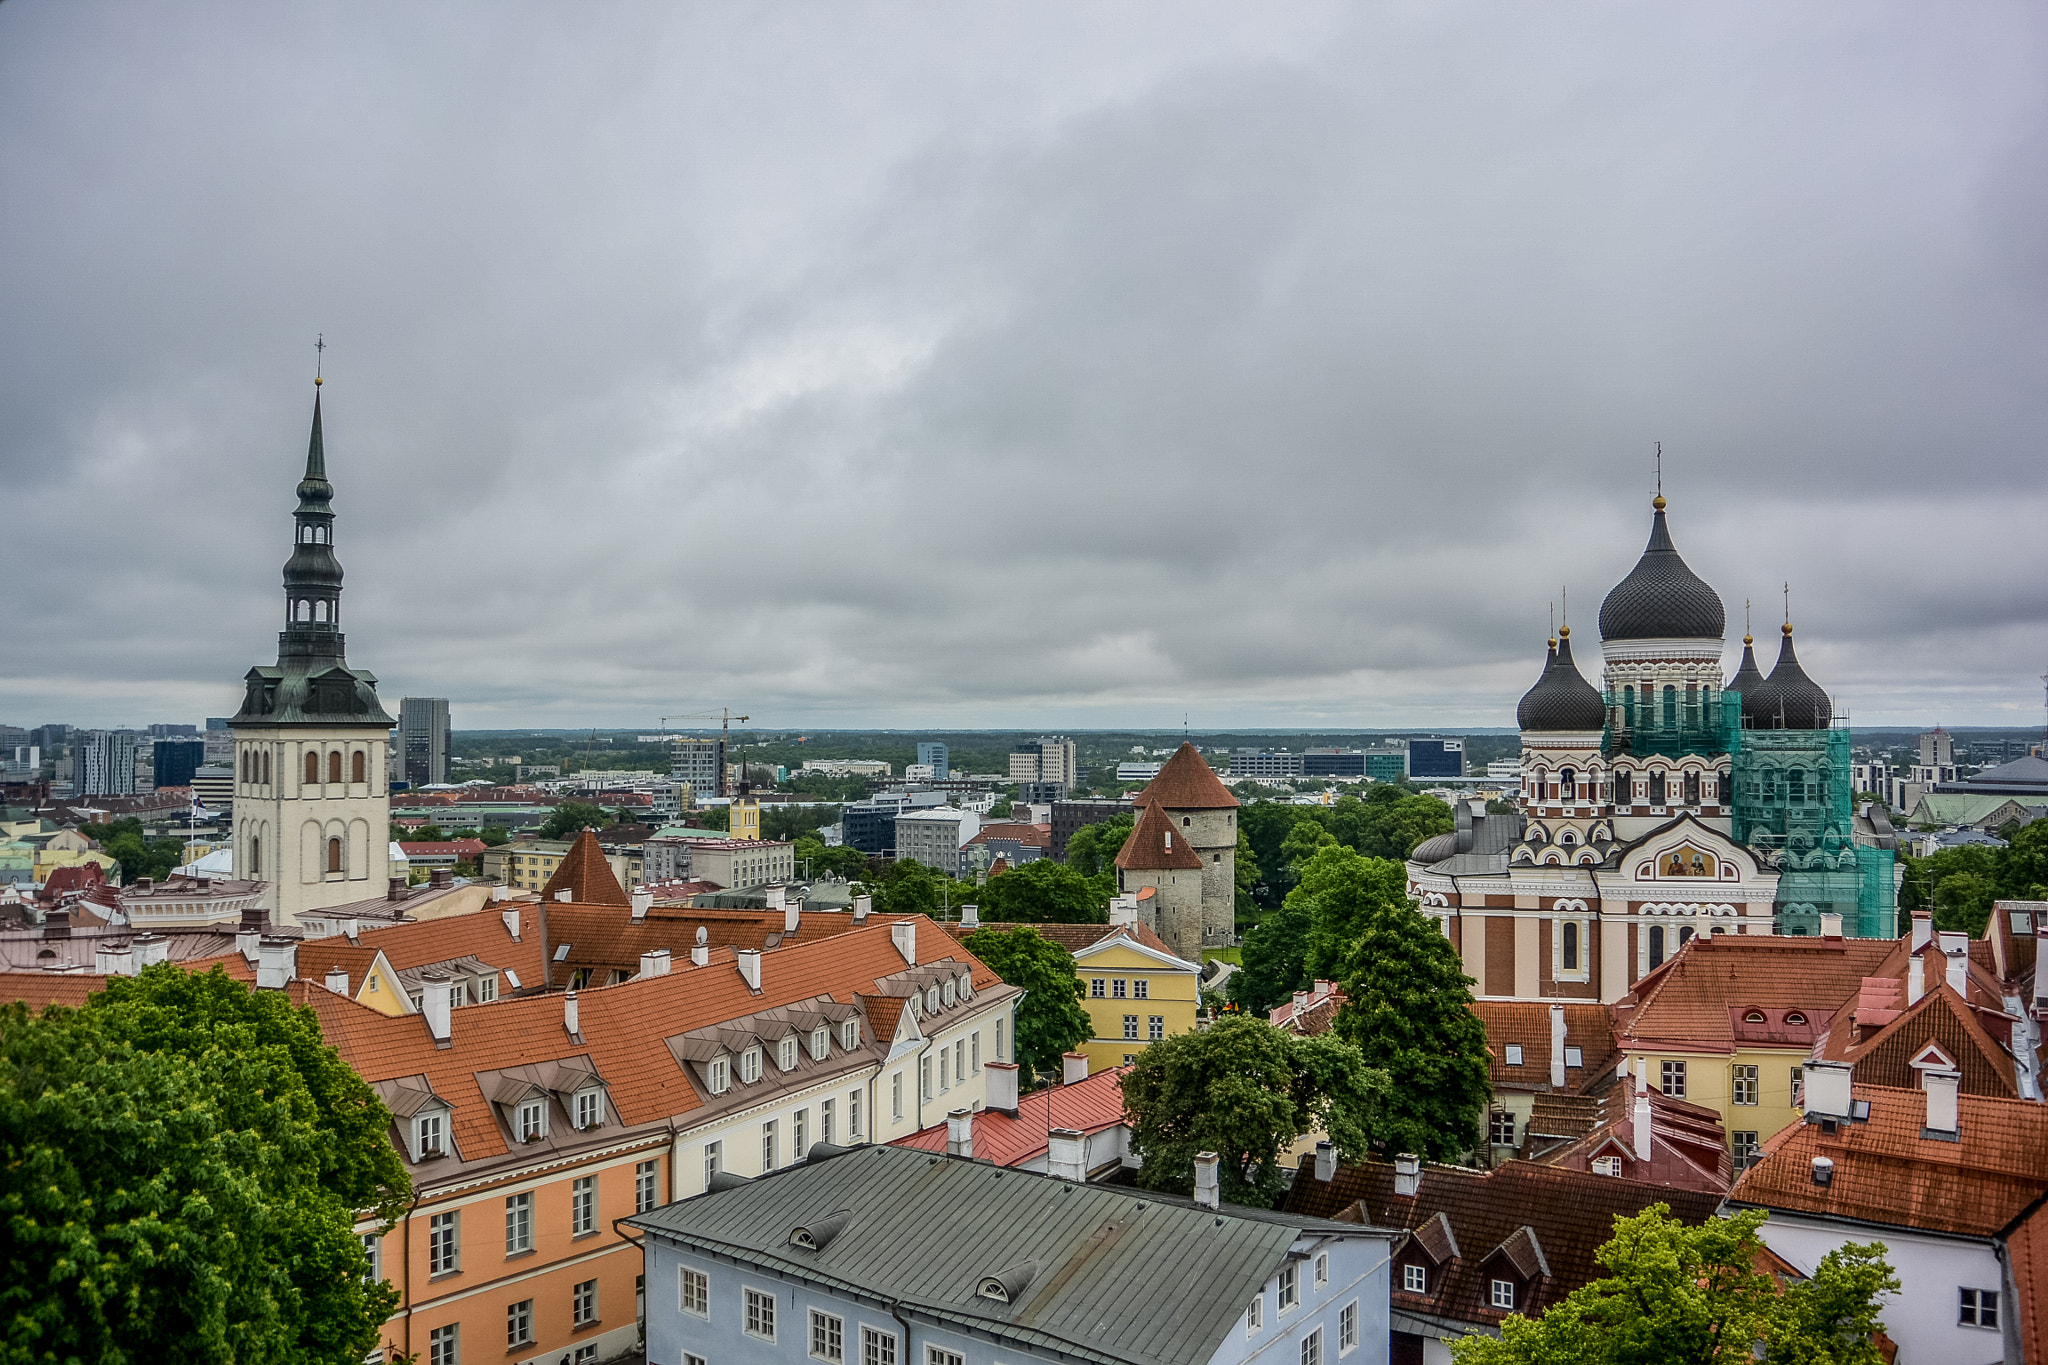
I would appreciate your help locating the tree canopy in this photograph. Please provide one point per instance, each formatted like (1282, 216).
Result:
(1045, 892)
(1959, 884)
(1244, 1089)
(1387, 822)
(820, 861)
(1049, 1019)
(571, 817)
(1093, 848)
(1679, 1294)
(138, 856)
(184, 1161)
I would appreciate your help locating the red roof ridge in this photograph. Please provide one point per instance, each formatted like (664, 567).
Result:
(586, 875)
(1187, 783)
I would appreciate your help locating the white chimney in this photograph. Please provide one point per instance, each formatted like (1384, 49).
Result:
(791, 912)
(501, 893)
(1073, 1067)
(1923, 929)
(511, 918)
(903, 933)
(337, 980)
(863, 906)
(654, 963)
(960, 1133)
(999, 1086)
(750, 967)
(1066, 1155)
(1956, 948)
(1826, 1087)
(1123, 910)
(1557, 1047)
(1941, 1102)
(1407, 1174)
(249, 943)
(970, 917)
(277, 962)
(700, 956)
(151, 949)
(434, 1005)
(1831, 926)
(115, 960)
(352, 928)
(643, 901)
(1326, 1161)
(1641, 1120)
(1207, 1193)
(570, 1021)
(563, 894)
(1916, 979)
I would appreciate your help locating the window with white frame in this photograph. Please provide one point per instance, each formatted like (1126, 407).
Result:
(750, 1065)
(1672, 1076)
(1977, 1307)
(1131, 1027)
(1155, 1028)
(1514, 1054)
(695, 1296)
(519, 1323)
(828, 1336)
(945, 1055)
(689, 1359)
(760, 1314)
(947, 996)
(583, 1206)
(486, 989)
(785, 1054)
(1001, 1036)
(719, 1075)
(519, 1223)
(444, 1243)
(1606, 1165)
(821, 1043)
(1098, 987)
(373, 1248)
(714, 1160)
(1290, 1287)
(1502, 1294)
(960, 1061)
(583, 1303)
(1119, 989)
(444, 1345)
(646, 1185)
(825, 1116)
(768, 1145)
(1312, 1348)
(1255, 1314)
(531, 1124)
(974, 1052)
(590, 1108)
(1415, 1278)
(876, 1346)
(939, 1355)
(1743, 1147)
(799, 1134)
(1500, 1128)
(1141, 989)
(896, 1096)
(426, 1135)
(849, 1034)
(853, 1116)
(1322, 1269)
(1574, 1056)
(924, 1076)
(1347, 1328)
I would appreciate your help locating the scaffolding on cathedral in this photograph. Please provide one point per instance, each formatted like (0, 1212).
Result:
(1692, 721)
(1792, 803)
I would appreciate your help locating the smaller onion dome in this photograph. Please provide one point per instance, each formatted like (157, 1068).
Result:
(1749, 677)
(1788, 699)
(1435, 849)
(1561, 698)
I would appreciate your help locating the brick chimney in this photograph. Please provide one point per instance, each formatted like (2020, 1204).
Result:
(1208, 1193)
(57, 923)
(1942, 1106)
(1407, 1175)
(960, 1133)
(394, 889)
(151, 949)
(113, 959)
(1073, 1067)
(999, 1087)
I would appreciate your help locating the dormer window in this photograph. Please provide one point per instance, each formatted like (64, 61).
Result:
(1795, 1018)
(948, 996)
(849, 1034)
(821, 1043)
(1514, 1054)
(785, 1053)
(1753, 1017)
(426, 1136)
(1606, 1165)
(589, 1109)
(718, 1075)
(931, 1000)
(530, 1120)
(966, 985)
(750, 1066)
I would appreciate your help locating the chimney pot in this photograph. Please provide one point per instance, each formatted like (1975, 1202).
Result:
(1557, 1047)
(1073, 1067)
(700, 956)
(570, 1020)
(511, 918)
(903, 933)
(654, 963)
(999, 1087)
(863, 906)
(1642, 1119)
(1923, 929)
(434, 1005)
(642, 902)
(1823, 1170)
(1407, 1174)
(960, 1133)
(394, 889)
(1208, 1193)
(337, 980)
(1326, 1161)
(750, 967)
(792, 915)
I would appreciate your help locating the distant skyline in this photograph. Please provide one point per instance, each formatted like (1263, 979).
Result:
(1020, 366)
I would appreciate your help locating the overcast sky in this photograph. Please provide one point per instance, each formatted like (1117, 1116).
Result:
(1016, 365)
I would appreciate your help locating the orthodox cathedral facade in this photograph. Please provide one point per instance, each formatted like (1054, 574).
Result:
(1666, 803)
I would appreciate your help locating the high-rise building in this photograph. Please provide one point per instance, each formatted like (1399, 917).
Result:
(701, 763)
(1436, 758)
(103, 763)
(1050, 761)
(312, 739)
(424, 738)
(219, 738)
(163, 731)
(933, 755)
(173, 761)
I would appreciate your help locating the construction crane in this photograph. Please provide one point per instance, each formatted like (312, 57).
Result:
(724, 716)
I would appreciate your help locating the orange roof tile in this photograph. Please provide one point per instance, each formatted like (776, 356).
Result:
(1885, 1053)
(606, 937)
(1072, 937)
(1089, 1106)
(586, 875)
(1696, 1001)
(2026, 1251)
(1187, 783)
(1526, 1023)
(1152, 846)
(1030, 836)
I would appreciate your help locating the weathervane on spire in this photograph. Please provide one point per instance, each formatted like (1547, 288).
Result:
(319, 356)
(1788, 603)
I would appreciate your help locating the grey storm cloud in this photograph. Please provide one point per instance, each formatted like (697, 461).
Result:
(1019, 364)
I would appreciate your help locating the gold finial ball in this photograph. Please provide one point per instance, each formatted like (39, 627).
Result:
(1787, 627)
(318, 381)
(1748, 639)
(1563, 632)
(1658, 502)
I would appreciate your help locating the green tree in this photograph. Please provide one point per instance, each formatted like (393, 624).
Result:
(184, 1161)
(494, 836)
(1962, 901)
(1045, 892)
(571, 817)
(1301, 844)
(138, 856)
(1093, 849)
(1679, 1294)
(1273, 957)
(842, 862)
(1408, 1011)
(1346, 894)
(1049, 1018)
(426, 834)
(2023, 863)
(1244, 1089)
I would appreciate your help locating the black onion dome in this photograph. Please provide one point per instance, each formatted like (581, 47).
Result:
(1561, 698)
(1748, 679)
(1788, 699)
(1662, 599)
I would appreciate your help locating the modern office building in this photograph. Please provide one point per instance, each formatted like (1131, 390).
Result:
(103, 763)
(1264, 765)
(937, 837)
(1049, 760)
(1342, 763)
(701, 763)
(1068, 817)
(173, 761)
(1436, 758)
(1386, 765)
(933, 755)
(219, 739)
(424, 739)
(163, 731)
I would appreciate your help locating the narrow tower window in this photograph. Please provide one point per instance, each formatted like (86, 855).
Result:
(334, 766)
(255, 858)
(361, 768)
(334, 855)
(312, 769)
(266, 768)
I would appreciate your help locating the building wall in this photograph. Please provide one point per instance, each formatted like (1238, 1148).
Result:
(1174, 912)
(282, 826)
(424, 736)
(1922, 1317)
(1172, 995)
(1710, 1082)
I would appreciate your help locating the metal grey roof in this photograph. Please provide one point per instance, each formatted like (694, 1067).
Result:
(1662, 598)
(1123, 1274)
(1562, 699)
(1492, 837)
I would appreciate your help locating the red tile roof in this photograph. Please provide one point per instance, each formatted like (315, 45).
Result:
(1694, 1002)
(1886, 1172)
(1526, 1023)
(1072, 937)
(1030, 836)
(2026, 1250)
(481, 934)
(1688, 1145)
(586, 875)
(1187, 783)
(1153, 846)
(1089, 1106)
(1314, 1014)
(604, 937)
(1887, 1047)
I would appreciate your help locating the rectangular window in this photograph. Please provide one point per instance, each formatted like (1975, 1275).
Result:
(1673, 1083)
(1141, 989)
(714, 1160)
(590, 1109)
(519, 1323)
(768, 1146)
(877, 1347)
(533, 1120)
(486, 989)
(896, 1097)
(760, 1315)
(1097, 988)
(1798, 1086)
(853, 1116)
(1743, 1147)
(828, 1337)
(1131, 1026)
(519, 1223)
(1503, 1294)
(1312, 1348)
(1501, 1128)
(1155, 1027)
(924, 1076)
(1347, 1329)
(1255, 1314)
(938, 1355)
(1000, 1035)
(1118, 989)
(1742, 1085)
(944, 1054)
(1322, 1269)
(373, 1248)
(689, 1359)
(1514, 1054)
(427, 1135)
(583, 1206)
(974, 1053)
(1290, 1288)
(583, 1303)
(1977, 1307)
(646, 1185)
(1415, 1279)
(825, 1120)
(585, 1355)
(799, 1134)
(696, 1293)
(444, 1244)
(1574, 1057)
(960, 1061)
(444, 1345)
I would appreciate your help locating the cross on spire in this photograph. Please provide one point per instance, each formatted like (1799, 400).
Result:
(319, 356)
(1660, 469)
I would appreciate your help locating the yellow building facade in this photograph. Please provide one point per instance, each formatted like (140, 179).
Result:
(1755, 1090)
(1136, 995)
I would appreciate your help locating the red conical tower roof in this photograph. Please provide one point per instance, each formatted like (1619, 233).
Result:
(1152, 846)
(586, 875)
(1187, 783)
